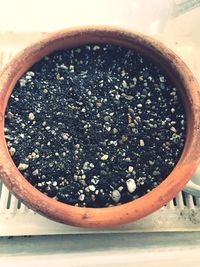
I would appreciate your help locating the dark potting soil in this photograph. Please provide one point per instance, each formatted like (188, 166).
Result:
(95, 126)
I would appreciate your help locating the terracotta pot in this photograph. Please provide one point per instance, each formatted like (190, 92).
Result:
(134, 210)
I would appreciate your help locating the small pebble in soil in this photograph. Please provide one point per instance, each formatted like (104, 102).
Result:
(9, 115)
(104, 157)
(35, 172)
(141, 142)
(131, 185)
(130, 169)
(95, 126)
(12, 151)
(22, 166)
(31, 116)
(116, 196)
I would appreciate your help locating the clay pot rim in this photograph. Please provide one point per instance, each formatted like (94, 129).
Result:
(109, 216)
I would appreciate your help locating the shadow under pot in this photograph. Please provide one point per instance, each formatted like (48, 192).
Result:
(99, 126)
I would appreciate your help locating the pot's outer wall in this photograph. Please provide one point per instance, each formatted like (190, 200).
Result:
(112, 216)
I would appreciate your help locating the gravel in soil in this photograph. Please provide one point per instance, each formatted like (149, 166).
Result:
(95, 126)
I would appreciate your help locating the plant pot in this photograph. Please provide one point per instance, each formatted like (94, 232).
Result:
(134, 210)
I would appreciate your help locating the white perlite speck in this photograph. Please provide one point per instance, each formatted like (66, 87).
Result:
(104, 157)
(65, 136)
(173, 129)
(35, 172)
(130, 169)
(131, 185)
(31, 116)
(45, 90)
(141, 142)
(124, 84)
(92, 188)
(9, 115)
(22, 82)
(96, 47)
(30, 73)
(71, 68)
(116, 196)
(23, 166)
(81, 197)
(12, 151)
(95, 181)
(86, 165)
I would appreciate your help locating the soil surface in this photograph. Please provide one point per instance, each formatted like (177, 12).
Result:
(95, 126)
